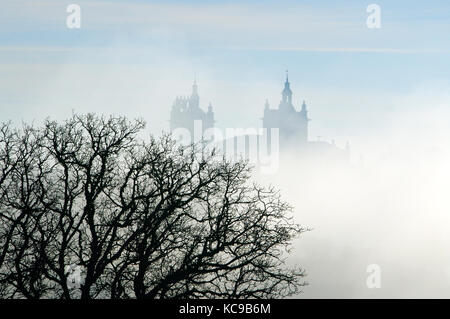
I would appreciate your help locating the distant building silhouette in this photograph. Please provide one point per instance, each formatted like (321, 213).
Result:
(292, 124)
(186, 110)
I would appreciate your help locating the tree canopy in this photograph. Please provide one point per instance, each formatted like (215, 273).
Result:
(141, 219)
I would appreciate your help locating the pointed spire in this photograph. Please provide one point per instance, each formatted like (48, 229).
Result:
(195, 86)
(209, 117)
(304, 111)
(287, 93)
(266, 105)
(194, 99)
(303, 106)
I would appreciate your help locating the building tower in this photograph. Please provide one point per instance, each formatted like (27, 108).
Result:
(186, 113)
(292, 124)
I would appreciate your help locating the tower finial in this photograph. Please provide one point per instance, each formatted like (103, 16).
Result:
(304, 107)
(195, 86)
(287, 93)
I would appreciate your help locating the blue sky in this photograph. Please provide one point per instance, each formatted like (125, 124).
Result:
(134, 57)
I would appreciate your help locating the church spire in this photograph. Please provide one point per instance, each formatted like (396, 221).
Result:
(287, 93)
(194, 101)
(304, 112)
(195, 86)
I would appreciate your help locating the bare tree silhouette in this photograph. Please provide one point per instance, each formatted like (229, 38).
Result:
(141, 219)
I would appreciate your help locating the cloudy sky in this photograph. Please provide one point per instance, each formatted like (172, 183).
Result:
(385, 90)
(133, 57)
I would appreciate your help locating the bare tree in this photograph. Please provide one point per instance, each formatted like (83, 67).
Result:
(141, 219)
